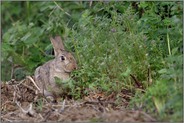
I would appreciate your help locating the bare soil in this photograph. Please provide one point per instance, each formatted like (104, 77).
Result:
(20, 101)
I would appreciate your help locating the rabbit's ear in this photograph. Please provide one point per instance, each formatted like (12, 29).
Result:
(57, 44)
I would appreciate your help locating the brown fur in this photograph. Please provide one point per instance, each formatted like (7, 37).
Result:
(60, 67)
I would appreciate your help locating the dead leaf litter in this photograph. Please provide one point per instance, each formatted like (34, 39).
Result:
(20, 101)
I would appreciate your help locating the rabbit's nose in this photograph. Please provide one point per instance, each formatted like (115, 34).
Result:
(75, 67)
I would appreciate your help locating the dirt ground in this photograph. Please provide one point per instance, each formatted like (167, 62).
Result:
(20, 101)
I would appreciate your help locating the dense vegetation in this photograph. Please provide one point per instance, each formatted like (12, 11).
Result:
(116, 44)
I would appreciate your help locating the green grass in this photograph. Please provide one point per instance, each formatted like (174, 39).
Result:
(105, 57)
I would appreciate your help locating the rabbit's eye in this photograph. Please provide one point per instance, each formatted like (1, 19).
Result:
(62, 58)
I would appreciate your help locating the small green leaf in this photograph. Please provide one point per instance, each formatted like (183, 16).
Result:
(162, 71)
(127, 72)
(159, 104)
(174, 50)
(24, 38)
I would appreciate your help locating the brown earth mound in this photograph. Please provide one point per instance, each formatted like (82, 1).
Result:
(20, 101)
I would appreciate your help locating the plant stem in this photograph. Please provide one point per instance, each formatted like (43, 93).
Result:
(168, 44)
(28, 10)
(77, 53)
(62, 9)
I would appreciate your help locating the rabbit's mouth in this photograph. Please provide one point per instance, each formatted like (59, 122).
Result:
(62, 69)
(69, 68)
(67, 71)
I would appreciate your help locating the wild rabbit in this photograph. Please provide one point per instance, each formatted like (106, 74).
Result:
(61, 67)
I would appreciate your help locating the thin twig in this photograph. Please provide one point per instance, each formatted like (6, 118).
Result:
(136, 81)
(62, 9)
(47, 114)
(126, 95)
(63, 107)
(33, 82)
(41, 116)
(40, 49)
(6, 103)
(148, 116)
(99, 102)
(90, 4)
(52, 11)
(21, 82)
(14, 95)
(168, 44)
(29, 87)
(16, 89)
(19, 105)
(149, 76)
(12, 70)
(29, 111)
(5, 119)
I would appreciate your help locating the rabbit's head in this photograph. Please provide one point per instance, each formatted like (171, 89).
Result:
(64, 60)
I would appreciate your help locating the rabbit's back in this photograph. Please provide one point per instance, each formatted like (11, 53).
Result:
(45, 77)
(42, 74)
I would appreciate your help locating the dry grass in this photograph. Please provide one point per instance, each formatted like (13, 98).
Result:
(21, 102)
